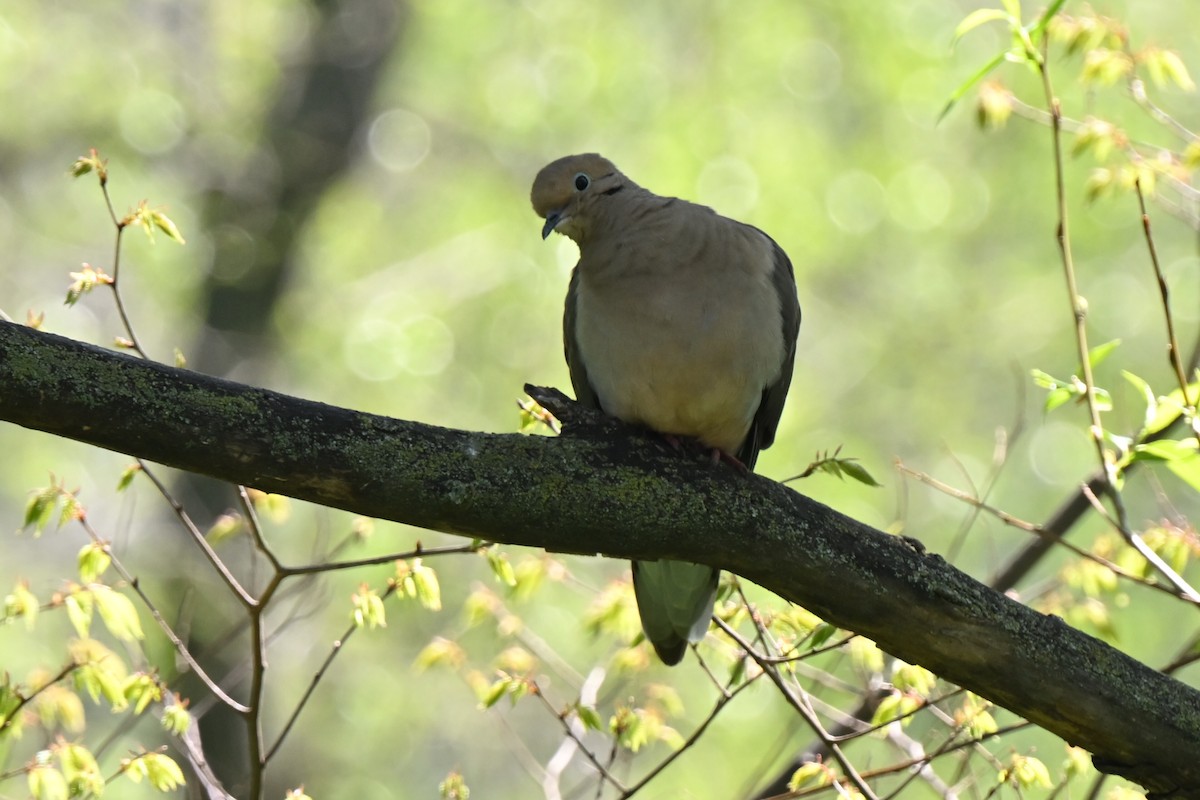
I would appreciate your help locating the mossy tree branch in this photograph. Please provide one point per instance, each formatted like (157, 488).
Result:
(605, 488)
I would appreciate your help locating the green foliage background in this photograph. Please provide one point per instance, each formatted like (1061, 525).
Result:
(924, 253)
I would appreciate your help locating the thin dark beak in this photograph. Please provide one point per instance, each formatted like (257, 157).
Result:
(552, 220)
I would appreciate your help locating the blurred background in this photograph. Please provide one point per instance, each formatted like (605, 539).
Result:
(352, 179)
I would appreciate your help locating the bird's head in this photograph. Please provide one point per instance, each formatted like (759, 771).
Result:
(569, 192)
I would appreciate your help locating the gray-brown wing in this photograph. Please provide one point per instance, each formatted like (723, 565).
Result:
(584, 392)
(770, 408)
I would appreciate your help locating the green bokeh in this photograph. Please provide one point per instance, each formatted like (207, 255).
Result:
(924, 253)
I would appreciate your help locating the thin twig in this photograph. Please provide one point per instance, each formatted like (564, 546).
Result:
(1174, 590)
(1078, 304)
(179, 645)
(722, 701)
(197, 536)
(120, 225)
(338, 644)
(803, 709)
(1164, 293)
(256, 528)
(1137, 88)
(1138, 543)
(900, 766)
(417, 552)
(561, 716)
(26, 699)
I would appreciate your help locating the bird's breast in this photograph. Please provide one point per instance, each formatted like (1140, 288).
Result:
(684, 352)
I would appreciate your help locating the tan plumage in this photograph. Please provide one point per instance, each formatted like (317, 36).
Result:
(678, 319)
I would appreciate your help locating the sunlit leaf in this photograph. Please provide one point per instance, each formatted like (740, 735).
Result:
(589, 717)
(501, 567)
(164, 224)
(1106, 67)
(22, 603)
(367, 608)
(425, 584)
(440, 652)
(142, 689)
(118, 613)
(79, 607)
(47, 783)
(93, 560)
(1100, 352)
(982, 16)
(970, 83)
(80, 769)
(454, 787)
(127, 476)
(810, 774)
(175, 716)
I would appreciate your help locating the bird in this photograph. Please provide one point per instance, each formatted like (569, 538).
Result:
(679, 320)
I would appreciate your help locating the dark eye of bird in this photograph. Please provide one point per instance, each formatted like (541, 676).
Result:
(581, 182)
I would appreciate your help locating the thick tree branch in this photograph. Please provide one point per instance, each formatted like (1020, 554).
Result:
(605, 488)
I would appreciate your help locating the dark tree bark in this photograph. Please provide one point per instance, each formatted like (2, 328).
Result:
(606, 488)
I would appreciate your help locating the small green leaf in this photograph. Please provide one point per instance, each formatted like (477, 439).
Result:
(22, 603)
(589, 717)
(1046, 380)
(1165, 66)
(1027, 772)
(980, 17)
(118, 613)
(224, 527)
(40, 508)
(496, 690)
(1106, 67)
(915, 679)
(1181, 458)
(164, 774)
(142, 689)
(84, 281)
(440, 652)
(994, 106)
(866, 655)
(1102, 351)
(425, 581)
(127, 476)
(1045, 19)
(631, 728)
(1171, 407)
(1147, 395)
(453, 788)
(969, 84)
(810, 774)
(164, 224)
(79, 611)
(821, 634)
(80, 769)
(1167, 450)
(1077, 762)
(93, 560)
(1099, 184)
(176, 718)
(1058, 396)
(856, 471)
(501, 567)
(47, 783)
(368, 608)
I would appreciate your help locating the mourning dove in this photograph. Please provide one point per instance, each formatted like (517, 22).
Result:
(680, 320)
